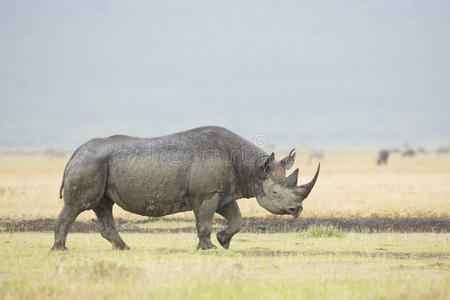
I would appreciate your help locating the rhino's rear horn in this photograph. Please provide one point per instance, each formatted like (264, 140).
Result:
(305, 189)
(291, 180)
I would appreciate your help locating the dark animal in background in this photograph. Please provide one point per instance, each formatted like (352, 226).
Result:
(383, 156)
(443, 150)
(408, 152)
(204, 169)
(421, 150)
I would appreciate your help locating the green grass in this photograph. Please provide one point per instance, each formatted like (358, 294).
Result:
(269, 266)
(322, 231)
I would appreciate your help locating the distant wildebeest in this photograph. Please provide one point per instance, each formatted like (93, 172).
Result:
(443, 150)
(408, 152)
(421, 150)
(383, 156)
(204, 169)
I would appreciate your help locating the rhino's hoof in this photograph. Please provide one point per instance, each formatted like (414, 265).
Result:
(206, 246)
(223, 239)
(59, 248)
(121, 247)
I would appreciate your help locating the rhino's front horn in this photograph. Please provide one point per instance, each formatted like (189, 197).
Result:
(305, 189)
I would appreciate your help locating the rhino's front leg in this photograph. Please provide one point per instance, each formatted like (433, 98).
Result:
(231, 212)
(204, 213)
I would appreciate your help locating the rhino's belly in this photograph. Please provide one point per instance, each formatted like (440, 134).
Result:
(148, 189)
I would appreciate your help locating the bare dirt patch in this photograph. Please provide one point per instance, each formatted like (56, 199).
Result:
(397, 255)
(251, 225)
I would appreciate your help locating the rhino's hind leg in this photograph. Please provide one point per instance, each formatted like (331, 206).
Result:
(204, 214)
(107, 226)
(231, 212)
(62, 226)
(84, 185)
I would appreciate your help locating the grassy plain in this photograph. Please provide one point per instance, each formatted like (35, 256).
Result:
(319, 263)
(350, 185)
(259, 266)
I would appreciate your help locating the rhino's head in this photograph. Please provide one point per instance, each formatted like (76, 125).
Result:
(280, 194)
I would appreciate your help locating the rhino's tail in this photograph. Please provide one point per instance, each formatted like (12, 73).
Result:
(64, 174)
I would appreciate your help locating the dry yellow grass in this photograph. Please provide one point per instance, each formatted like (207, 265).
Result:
(350, 185)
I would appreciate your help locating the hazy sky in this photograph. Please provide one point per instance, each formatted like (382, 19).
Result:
(304, 73)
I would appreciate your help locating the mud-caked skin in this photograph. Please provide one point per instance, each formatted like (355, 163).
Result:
(205, 169)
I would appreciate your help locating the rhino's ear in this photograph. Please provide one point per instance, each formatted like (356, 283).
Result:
(267, 166)
(291, 180)
(288, 161)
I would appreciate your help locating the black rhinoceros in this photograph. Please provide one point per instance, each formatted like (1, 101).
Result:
(204, 169)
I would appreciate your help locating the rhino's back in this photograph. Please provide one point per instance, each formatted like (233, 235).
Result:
(158, 176)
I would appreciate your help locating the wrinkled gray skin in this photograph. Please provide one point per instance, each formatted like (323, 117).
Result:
(204, 169)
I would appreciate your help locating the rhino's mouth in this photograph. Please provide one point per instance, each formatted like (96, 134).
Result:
(294, 211)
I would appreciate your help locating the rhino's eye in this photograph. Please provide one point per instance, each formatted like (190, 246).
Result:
(274, 192)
